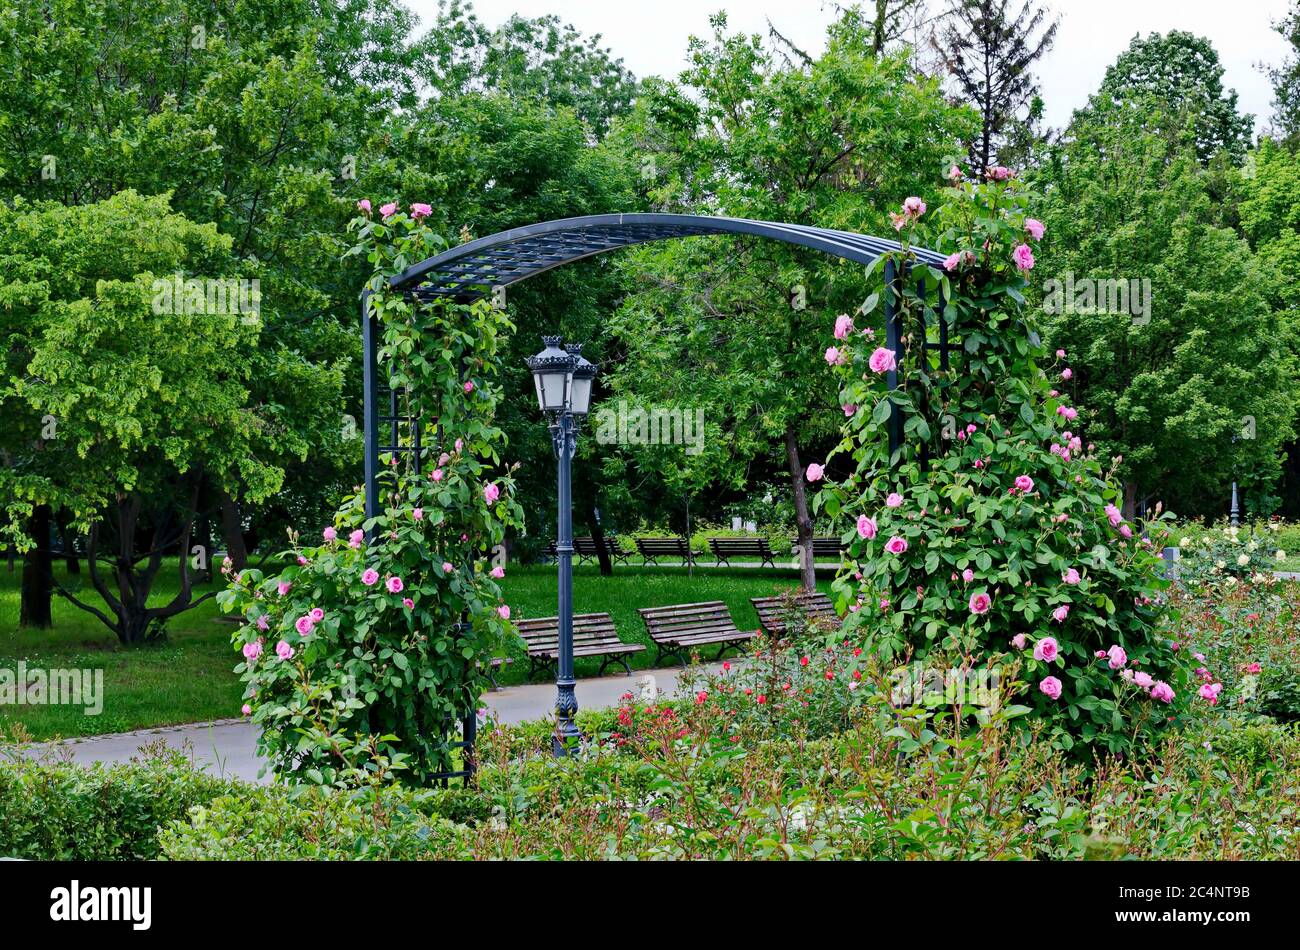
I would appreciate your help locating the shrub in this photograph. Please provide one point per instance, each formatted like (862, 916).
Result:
(993, 529)
(362, 656)
(63, 812)
(261, 823)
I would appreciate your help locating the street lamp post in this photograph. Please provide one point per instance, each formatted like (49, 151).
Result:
(563, 381)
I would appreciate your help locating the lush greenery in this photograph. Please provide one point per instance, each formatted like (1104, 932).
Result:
(59, 812)
(991, 531)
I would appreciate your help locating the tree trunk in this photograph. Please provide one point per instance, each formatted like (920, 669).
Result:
(803, 521)
(69, 548)
(1130, 500)
(231, 528)
(38, 586)
(598, 536)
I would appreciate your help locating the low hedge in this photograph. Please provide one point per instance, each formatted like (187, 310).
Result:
(65, 812)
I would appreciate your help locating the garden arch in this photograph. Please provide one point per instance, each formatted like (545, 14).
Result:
(475, 269)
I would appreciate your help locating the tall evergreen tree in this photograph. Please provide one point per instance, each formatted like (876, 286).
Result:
(990, 54)
(1286, 79)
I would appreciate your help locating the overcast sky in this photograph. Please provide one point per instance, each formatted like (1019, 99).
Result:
(650, 35)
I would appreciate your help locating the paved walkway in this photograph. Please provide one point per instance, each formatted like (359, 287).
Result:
(228, 746)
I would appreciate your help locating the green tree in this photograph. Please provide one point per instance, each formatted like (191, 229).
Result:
(142, 394)
(1165, 315)
(1286, 79)
(734, 328)
(990, 53)
(1177, 74)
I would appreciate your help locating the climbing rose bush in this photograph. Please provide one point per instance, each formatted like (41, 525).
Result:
(993, 534)
(361, 656)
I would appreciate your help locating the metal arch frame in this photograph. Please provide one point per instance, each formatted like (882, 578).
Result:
(475, 269)
(472, 270)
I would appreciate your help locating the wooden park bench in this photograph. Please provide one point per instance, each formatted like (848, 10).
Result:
(677, 629)
(774, 611)
(585, 548)
(823, 547)
(726, 548)
(593, 635)
(654, 548)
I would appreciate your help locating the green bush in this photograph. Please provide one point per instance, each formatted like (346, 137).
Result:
(102, 813)
(260, 823)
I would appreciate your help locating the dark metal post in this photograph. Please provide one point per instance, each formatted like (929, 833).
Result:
(370, 385)
(894, 342)
(564, 438)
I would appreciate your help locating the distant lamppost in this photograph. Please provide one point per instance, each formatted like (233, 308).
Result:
(563, 380)
(1234, 509)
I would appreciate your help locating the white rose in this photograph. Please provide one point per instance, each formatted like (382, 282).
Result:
(1281, 555)
(1243, 559)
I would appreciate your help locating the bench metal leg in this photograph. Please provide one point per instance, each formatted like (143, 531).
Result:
(617, 658)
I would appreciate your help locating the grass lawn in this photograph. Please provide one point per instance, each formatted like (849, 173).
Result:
(190, 678)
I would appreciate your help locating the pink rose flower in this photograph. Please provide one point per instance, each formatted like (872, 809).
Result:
(364, 205)
(834, 357)
(1023, 257)
(504, 612)
(894, 500)
(999, 173)
(954, 173)
(1162, 691)
(1046, 649)
(419, 210)
(1071, 576)
(304, 624)
(896, 545)
(866, 527)
(355, 538)
(246, 709)
(436, 475)
(389, 209)
(968, 575)
(1113, 514)
(316, 614)
(252, 650)
(1019, 641)
(370, 576)
(283, 650)
(263, 623)
(395, 585)
(843, 326)
(814, 472)
(849, 409)
(491, 493)
(447, 567)
(1067, 373)
(1060, 354)
(1060, 613)
(914, 207)
(282, 588)
(469, 386)
(329, 534)
(1143, 679)
(498, 572)
(882, 360)
(1034, 228)
(1024, 484)
(417, 514)
(408, 603)
(1118, 658)
(1210, 692)
(980, 603)
(952, 262)
(1050, 687)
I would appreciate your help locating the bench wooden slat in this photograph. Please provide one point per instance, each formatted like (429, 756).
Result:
(771, 610)
(593, 635)
(677, 627)
(726, 548)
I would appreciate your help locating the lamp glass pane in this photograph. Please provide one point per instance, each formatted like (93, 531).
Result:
(581, 397)
(553, 390)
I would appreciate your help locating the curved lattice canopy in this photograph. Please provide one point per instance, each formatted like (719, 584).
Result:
(472, 270)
